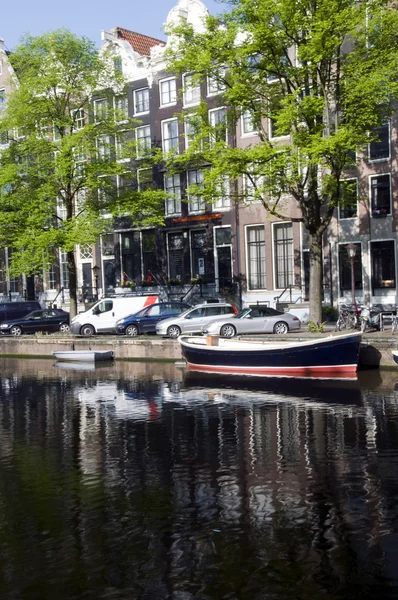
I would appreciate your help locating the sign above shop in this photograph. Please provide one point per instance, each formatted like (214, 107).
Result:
(196, 218)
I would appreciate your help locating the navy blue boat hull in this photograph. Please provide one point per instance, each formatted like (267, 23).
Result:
(328, 356)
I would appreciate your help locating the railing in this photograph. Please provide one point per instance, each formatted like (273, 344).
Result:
(278, 298)
(53, 303)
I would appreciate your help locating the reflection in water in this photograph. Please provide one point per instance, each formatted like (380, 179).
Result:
(135, 481)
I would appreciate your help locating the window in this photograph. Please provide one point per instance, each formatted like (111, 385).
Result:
(191, 129)
(379, 149)
(79, 118)
(172, 186)
(117, 64)
(121, 108)
(380, 195)
(64, 270)
(345, 268)
(248, 126)
(253, 184)
(122, 145)
(217, 120)
(104, 306)
(168, 92)
(216, 84)
(223, 201)
(149, 263)
(349, 196)
(144, 179)
(383, 264)
(100, 110)
(170, 135)
(141, 101)
(256, 257)
(143, 140)
(176, 256)
(52, 277)
(283, 255)
(191, 91)
(103, 147)
(2, 99)
(196, 202)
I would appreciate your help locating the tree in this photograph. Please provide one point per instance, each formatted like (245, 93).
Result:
(322, 73)
(67, 168)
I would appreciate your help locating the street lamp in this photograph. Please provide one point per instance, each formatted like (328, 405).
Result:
(352, 250)
(95, 269)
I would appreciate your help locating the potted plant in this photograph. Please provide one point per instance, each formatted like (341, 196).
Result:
(379, 212)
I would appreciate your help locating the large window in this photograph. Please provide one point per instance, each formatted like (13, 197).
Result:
(2, 100)
(149, 253)
(223, 200)
(196, 201)
(217, 120)
(168, 92)
(380, 194)
(101, 108)
(349, 197)
(379, 149)
(176, 256)
(143, 140)
(248, 123)
(255, 257)
(345, 268)
(141, 101)
(283, 255)
(170, 135)
(121, 108)
(172, 186)
(216, 84)
(191, 91)
(383, 264)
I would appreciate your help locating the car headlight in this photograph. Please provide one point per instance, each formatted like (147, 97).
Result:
(4, 326)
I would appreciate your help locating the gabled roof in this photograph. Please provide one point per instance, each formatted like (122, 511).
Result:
(139, 42)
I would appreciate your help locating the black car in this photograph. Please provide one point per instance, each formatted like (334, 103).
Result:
(144, 321)
(50, 320)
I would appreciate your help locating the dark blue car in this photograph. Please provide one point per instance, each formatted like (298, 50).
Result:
(144, 321)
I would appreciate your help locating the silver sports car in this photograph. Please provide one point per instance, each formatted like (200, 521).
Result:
(259, 319)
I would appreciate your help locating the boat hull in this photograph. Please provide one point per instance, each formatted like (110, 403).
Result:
(323, 357)
(84, 355)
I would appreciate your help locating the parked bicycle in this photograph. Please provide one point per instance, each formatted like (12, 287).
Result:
(349, 317)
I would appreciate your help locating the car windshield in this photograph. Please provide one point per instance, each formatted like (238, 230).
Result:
(243, 313)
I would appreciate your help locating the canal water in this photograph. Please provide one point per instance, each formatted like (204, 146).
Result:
(137, 481)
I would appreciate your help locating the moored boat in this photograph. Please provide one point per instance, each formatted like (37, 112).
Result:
(330, 356)
(84, 355)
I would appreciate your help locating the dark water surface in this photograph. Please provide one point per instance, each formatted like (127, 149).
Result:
(134, 481)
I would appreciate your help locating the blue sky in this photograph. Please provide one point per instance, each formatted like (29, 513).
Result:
(86, 17)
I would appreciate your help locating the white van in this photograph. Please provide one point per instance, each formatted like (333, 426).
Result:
(103, 315)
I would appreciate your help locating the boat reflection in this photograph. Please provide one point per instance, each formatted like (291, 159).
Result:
(83, 366)
(332, 390)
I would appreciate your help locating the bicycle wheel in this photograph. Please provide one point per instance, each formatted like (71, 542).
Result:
(351, 322)
(341, 324)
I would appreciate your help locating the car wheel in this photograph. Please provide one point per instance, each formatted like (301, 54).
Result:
(64, 328)
(15, 330)
(87, 330)
(228, 331)
(174, 331)
(281, 327)
(132, 330)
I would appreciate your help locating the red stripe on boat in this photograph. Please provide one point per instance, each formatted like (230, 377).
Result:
(332, 371)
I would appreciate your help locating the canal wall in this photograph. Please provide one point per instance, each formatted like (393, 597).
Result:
(376, 349)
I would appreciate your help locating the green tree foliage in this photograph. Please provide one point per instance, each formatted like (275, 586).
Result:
(314, 79)
(70, 142)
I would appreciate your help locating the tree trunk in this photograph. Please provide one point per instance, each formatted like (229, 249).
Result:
(72, 284)
(316, 278)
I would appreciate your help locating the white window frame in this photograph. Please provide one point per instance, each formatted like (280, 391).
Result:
(377, 160)
(375, 176)
(177, 147)
(3, 95)
(215, 90)
(210, 113)
(98, 102)
(356, 216)
(176, 198)
(194, 91)
(80, 121)
(172, 93)
(244, 133)
(141, 112)
(274, 266)
(119, 97)
(247, 227)
(223, 203)
(139, 171)
(146, 150)
(119, 141)
(201, 202)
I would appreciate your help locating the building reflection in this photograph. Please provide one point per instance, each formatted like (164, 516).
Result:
(146, 482)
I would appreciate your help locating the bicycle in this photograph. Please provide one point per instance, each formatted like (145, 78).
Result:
(348, 318)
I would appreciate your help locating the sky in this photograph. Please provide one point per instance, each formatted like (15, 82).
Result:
(87, 17)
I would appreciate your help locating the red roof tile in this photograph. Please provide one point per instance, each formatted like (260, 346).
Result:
(139, 42)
